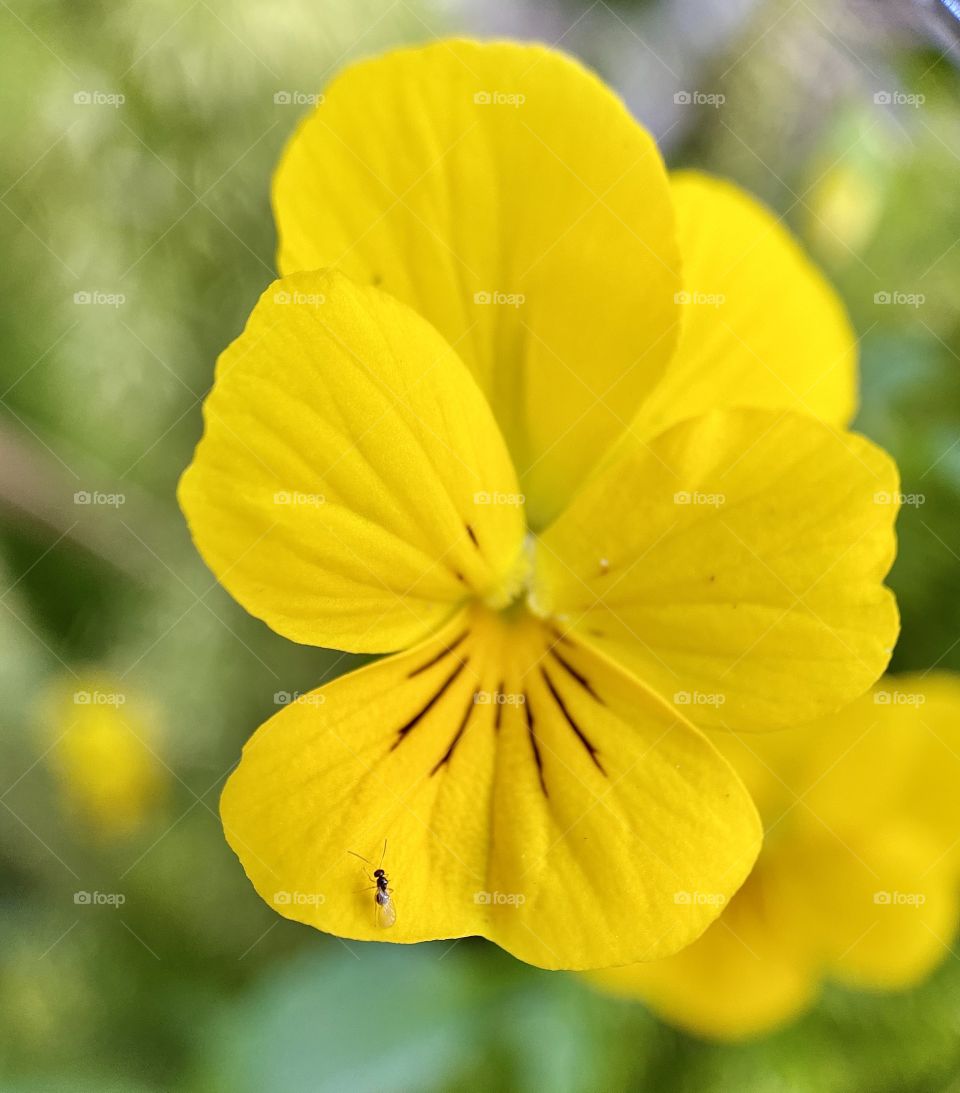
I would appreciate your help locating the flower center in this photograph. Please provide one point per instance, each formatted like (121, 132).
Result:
(513, 596)
(511, 671)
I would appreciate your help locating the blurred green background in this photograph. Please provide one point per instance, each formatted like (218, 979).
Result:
(138, 144)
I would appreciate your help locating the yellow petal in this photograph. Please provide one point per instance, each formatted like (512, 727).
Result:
(872, 791)
(883, 905)
(868, 911)
(507, 195)
(890, 757)
(735, 564)
(351, 485)
(528, 791)
(857, 879)
(749, 973)
(895, 753)
(761, 326)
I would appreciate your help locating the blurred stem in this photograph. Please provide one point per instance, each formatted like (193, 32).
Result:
(37, 491)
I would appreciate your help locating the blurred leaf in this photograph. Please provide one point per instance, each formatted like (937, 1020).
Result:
(369, 1017)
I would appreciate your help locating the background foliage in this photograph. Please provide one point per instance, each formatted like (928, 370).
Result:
(162, 199)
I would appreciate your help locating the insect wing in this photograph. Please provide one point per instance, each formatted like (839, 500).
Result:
(386, 912)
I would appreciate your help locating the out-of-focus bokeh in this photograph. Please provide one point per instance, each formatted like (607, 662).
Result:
(138, 143)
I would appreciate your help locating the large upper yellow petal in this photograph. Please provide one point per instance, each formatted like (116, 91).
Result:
(507, 195)
(761, 326)
(351, 486)
(564, 819)
(735, 564)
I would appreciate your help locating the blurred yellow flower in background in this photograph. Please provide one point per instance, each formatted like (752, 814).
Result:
(103, 755)
(847, 203)
(859, 877)
(485, 423)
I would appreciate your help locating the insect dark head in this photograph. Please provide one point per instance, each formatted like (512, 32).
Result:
(379, 873)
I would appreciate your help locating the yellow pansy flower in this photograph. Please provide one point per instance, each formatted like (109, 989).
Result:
(102, 755)
(485, 423)
(859, 877)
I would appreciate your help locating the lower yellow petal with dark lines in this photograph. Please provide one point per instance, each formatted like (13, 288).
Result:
(527, 789)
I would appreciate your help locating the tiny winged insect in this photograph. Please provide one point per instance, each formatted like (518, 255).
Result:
(386, 909)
